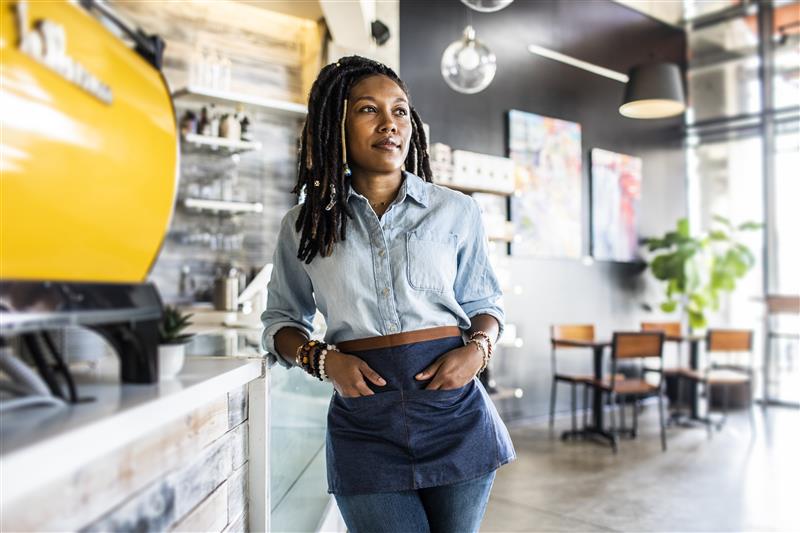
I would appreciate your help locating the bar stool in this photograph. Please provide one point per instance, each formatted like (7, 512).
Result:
(641, 346)
(572, 332)
(735, 347)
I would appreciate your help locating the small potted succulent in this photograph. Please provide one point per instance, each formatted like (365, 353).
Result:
(172, 342)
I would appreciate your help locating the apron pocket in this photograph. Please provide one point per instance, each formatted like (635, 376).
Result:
(360, 403)
(367, 444)
(439, 397)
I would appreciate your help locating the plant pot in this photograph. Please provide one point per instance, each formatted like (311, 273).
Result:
(170, 359)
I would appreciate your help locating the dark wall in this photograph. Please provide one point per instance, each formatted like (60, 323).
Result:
(597, 31)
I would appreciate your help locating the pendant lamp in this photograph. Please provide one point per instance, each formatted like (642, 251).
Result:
(486, 6)
(468, 66)
(653, 91)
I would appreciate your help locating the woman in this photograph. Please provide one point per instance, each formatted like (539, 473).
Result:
(398, 267)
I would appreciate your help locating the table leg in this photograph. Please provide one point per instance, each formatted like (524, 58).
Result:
(694, 363)
(596, 429)
(597, 399)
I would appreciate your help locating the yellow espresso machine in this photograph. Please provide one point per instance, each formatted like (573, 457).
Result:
(88, 179)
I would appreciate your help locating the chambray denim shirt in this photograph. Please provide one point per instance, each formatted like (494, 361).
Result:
(423, 264)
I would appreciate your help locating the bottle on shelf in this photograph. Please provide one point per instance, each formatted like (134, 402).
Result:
(229, 127)
(204, 127)
(244, 124)
(247, 135)
(188, 122)
(213, 121)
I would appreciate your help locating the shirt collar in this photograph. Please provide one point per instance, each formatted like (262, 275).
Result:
(413, 186)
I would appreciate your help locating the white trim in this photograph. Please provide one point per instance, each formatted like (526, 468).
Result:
(589, 67)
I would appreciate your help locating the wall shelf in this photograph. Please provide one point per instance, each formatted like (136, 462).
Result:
(279, 107)
(202, 204)
(208, 142)
(468, 189)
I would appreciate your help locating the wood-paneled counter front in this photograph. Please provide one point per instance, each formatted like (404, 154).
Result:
(186, 454)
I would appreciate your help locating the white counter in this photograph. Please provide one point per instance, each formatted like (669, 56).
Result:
(43, 443)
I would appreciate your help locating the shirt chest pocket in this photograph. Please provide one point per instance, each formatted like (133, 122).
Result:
(431, 260)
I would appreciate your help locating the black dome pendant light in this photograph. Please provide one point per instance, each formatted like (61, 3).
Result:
(653, 90)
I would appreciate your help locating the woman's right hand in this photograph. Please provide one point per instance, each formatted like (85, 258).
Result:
(348, 374)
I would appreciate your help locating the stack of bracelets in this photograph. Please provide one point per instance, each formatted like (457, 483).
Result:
(310, 356)
(486, 347)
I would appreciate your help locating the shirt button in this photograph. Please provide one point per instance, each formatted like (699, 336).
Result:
(386, 291)
(380, 253)
(392, 328)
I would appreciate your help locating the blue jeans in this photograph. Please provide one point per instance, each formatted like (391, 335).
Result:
(454, 508)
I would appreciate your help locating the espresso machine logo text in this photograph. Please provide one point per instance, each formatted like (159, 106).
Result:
(46, 43)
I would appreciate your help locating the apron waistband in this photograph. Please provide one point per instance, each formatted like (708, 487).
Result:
(398, 339)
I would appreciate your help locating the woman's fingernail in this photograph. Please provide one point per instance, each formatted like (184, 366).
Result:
(382, 380)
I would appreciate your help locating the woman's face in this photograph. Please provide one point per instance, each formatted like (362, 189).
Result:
(378, 125)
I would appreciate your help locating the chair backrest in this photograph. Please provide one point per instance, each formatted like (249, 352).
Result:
(673, 329)
(572, 332)
(783, 305)
(729, 340)
(637, 344)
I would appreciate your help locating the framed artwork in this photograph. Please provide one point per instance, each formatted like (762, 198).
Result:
(616, 192)
(546, 208)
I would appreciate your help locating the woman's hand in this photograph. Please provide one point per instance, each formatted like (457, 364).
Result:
(453, 369)
(347, 373)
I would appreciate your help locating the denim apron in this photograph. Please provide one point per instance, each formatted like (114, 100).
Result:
(405, 437)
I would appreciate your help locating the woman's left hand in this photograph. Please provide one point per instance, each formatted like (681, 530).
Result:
(453, 369)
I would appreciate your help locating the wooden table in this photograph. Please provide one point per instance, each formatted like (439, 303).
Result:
(596, 428)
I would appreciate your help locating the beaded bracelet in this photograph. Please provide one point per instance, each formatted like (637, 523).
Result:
(310, 356)
(487, 350)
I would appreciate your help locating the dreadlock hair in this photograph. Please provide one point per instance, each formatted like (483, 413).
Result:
(319, 160)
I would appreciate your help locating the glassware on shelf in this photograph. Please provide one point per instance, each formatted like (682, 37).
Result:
(209, 69)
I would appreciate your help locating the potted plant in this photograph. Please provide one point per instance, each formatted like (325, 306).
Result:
(172, 342)
(696, 269)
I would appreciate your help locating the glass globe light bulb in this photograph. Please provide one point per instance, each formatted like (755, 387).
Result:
(486, 6)
(469, 58)
(468, 66)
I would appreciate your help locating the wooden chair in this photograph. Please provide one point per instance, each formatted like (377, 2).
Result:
(778, 305)
(639, 345)
(678, 372)
(735, 346)
(670, 329)
(573, 332)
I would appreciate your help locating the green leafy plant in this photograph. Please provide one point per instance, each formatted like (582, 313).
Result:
(173, 322)
(696, 269)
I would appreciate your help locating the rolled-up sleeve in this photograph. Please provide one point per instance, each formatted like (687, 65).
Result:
(290, 294)
(476, 287)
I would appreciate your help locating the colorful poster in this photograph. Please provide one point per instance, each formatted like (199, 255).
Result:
(546, 207)
(616, 191)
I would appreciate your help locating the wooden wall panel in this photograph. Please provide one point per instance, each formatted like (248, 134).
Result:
(272, 55)
(110, 480)
(180, 475)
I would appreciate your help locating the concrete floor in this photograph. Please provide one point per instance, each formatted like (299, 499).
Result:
(737, 481)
